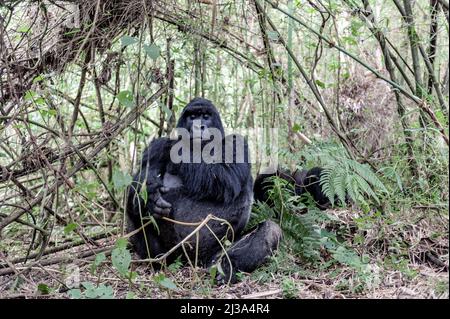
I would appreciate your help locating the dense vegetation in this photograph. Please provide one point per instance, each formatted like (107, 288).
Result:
(359, 87)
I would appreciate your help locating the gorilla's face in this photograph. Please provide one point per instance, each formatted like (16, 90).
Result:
(198, 122)
(200, 118)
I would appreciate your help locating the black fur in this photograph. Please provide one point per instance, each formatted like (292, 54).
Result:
(311, 184)
(304, 181)
(263, 183)
(189, 192)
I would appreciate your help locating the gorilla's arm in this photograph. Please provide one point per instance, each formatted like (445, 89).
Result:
(153, 166)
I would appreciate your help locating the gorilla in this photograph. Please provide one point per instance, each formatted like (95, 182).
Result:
(304, 181)
(189, 189)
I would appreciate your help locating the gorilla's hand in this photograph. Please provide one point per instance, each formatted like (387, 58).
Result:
(156, 205)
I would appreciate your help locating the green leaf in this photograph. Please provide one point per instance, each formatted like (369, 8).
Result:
(440, 117)
(132, 275)
(175, 266)
(34, 97)
(334, 65)
(169, 284)
(167, 111)
(213, 274)
(98, 260)
(165, 282)
(121, 243)
(38, 79)
(24, 29)
(126, 98)
(121, 180)
(40, 101)
(350, 40)
(44, 289)
(320, 84)
(130, 295)
(69, 228)
(399, 181)
(152, 50)
(121, 259)
(296, 128)
(87, 285)
(143, 193)
(29, 95)
(127, 40)
(48, 113)
(356, 24)
(104, 292)
(93, 292)
(75, 293)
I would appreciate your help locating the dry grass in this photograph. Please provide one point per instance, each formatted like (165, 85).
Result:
(420, 277)
(429, 283)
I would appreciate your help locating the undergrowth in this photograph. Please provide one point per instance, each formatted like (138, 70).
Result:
(305, 226)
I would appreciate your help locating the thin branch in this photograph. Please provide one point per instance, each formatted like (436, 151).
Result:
(117, 129)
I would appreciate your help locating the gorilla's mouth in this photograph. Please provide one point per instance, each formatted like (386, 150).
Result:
(201, 136)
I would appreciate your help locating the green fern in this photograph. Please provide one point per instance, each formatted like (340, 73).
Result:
(343, 176)
(303, 226)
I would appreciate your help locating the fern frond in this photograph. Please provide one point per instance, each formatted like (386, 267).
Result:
(340, 185)
(365, 172)
(365, 187)
(327, 182)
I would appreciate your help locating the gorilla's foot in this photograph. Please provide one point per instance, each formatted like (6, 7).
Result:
(250, 251)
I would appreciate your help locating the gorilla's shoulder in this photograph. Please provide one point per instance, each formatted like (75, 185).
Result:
(157, 149)
(159, 141)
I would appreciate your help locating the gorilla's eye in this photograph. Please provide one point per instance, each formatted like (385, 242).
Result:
(192, 116)
(206, 116)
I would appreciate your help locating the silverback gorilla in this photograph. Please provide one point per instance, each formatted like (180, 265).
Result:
(188, 190)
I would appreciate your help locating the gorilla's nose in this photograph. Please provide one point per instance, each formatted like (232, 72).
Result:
(199, 127)
(197, 130)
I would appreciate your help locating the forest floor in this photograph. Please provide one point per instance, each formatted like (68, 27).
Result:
(285, 275)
